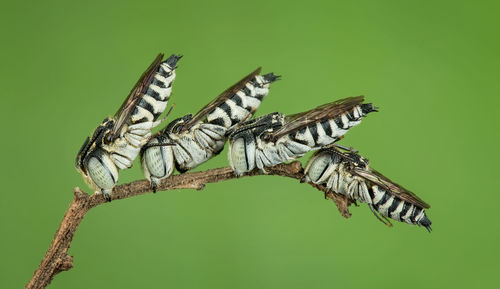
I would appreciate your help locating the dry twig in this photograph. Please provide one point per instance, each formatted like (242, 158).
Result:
(57, 259)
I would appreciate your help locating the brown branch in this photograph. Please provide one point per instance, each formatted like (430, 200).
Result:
(57, 259)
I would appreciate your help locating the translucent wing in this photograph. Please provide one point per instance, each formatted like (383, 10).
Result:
(327, 111)
(219, 100)
(127, 108)
(391, 187)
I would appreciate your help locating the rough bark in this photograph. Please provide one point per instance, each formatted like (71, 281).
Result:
(57, 259)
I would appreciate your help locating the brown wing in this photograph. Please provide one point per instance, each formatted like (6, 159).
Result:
(391, 187)
(127, 107)
(326, 111)
(220, 99)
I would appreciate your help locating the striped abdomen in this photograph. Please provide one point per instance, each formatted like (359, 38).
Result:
(144, 117)
(334, 172)
(154, 100)
(242, 104)
(314, 136)
(395, 208)
(320, 134)
(207, 138)
(262, 152)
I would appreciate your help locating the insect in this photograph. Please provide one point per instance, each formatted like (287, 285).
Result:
(273, 139)
(188, 141)
(116, 142)
(349, 174)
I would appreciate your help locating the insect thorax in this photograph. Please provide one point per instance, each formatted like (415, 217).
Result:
(259, 127)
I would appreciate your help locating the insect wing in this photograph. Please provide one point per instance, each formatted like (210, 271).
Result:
(127, 108)
(327, 111)
(220, 99)
(391, 187)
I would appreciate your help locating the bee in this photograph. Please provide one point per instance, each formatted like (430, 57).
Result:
(349, 174)
(117, 141)
(189, 141)
(273, 139)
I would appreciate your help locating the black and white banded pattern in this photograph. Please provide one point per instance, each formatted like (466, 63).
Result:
(137, 131)
(349, 174)
(323, 133)
(117, 141)
(192, 140)
(274, 139)
(395, 208)
(243, 103)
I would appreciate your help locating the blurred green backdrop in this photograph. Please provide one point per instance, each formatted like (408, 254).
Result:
(431, 66)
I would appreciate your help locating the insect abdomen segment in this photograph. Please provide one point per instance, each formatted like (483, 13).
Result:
(323, 133)
(393, 207)
(243, 103)
(334, 170)
(157, 94)
(143, 119)
(195, 139)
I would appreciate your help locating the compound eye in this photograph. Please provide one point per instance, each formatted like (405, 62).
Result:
(178, 128)
(108, 138)
(238, 156)
(267, 135)
(317, 167)
(158, 160)
(103, 172)
(363, 163)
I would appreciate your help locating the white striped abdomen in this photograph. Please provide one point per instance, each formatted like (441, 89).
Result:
(395, 208)
(326, 132)
(311, 137)
(328, 169)
(243, 103)
(144, 116)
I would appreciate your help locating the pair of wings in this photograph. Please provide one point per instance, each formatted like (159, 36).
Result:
(126, 109)
(319, 114)
(292, 122)
(378, 179)
(228, 93)
(391, 187)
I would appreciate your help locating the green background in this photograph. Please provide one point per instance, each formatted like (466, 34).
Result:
(431, 66)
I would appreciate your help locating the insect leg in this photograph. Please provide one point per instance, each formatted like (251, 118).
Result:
(349, 149)
(121, 161)
(296, 148)
(204, 140)
(149, 145)
(214, 131)
(385, 221)
(271, 153)
(158, 122)
(135, 140)
(259, 162)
